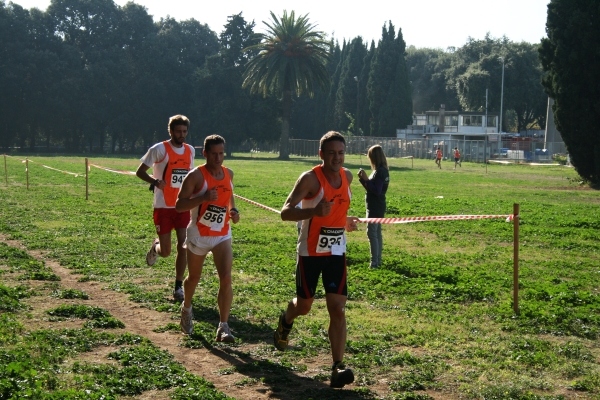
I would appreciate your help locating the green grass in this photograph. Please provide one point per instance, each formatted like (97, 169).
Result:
(436, 317)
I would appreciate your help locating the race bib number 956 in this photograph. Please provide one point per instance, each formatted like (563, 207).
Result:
(331, 240)
(214, 217)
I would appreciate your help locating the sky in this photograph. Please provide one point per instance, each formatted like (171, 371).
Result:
(424, 23)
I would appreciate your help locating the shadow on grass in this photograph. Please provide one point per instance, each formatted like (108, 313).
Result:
(279, 379)
(276, 378)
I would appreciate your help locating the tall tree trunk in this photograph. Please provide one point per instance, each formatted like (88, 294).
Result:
(285, 125)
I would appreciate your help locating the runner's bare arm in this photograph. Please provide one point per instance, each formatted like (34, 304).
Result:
(191, 184)
(142, 173)
(306, 186)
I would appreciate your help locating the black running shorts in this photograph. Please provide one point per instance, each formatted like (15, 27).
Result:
(309, 268)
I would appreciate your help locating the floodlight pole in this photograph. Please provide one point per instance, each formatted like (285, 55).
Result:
(501, 95)
(357, 106)
(485, 131)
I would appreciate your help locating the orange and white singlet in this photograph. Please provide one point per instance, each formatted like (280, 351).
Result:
(178, 166)
(326, 236)
(212, 218)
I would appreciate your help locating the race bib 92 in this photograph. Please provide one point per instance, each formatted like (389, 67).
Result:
(331, 240)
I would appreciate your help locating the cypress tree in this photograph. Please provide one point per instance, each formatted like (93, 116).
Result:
(346, 95)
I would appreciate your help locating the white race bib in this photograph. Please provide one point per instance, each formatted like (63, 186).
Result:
(214, 217)
(177, 175)
(331, 240)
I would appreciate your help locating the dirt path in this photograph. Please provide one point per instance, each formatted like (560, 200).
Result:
(204, 362)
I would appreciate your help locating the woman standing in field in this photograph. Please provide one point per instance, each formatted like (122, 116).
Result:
(376, 186)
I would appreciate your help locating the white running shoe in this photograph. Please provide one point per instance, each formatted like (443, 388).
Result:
(178, 295)
(152, 255)
(223, 333)
(186, 323)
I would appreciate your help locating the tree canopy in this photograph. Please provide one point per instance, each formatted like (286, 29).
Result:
(571, 56)
(92, 76)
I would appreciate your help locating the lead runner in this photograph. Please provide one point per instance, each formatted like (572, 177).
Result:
(325, 195)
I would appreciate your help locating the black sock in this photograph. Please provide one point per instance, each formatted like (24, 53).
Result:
(335, 364)
(285, 324)
(178, 284)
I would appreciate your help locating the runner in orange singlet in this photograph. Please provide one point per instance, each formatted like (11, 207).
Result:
(170, 160)
(325, 195)
(208, 192)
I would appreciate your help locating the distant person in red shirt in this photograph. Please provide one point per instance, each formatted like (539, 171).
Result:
(438, 157)
(457, 158)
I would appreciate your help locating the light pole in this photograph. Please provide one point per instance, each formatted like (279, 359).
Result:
(501, 95)
(357, 97)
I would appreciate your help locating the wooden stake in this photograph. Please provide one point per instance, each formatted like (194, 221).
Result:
(5, 171)
(516, 258)
(27, 171)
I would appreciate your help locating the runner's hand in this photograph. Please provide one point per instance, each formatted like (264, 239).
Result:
(323, 208)
(211, 194)
(235, 216)
(351, 224)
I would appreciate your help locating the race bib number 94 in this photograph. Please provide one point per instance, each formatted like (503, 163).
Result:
(331, 240)
(214, 217)
(177, 176)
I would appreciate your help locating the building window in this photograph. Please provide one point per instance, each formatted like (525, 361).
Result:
(491, 121)
(420, 120)
(432, 120)
(472, 120)
(451, 120)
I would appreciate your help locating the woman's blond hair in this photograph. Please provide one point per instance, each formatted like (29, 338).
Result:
(377, 157)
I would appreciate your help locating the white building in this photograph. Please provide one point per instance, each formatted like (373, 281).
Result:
(445, 125)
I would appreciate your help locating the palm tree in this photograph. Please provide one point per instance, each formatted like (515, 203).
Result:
(291, 60)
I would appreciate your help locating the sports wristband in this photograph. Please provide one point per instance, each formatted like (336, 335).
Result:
(235, 209)
(156, 182)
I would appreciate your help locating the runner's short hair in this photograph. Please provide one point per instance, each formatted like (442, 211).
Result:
(211, 140)
(331, 136)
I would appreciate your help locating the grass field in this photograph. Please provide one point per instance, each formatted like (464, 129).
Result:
(436, 321)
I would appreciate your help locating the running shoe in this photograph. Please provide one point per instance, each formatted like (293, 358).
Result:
(152, 255)
(280, 339)
(223, 333)
(178, 295)
(186, 323)
(341, 376)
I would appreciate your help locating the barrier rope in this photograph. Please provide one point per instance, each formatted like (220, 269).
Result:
(402, 220)
(405, 220)
(117, 171)
(45, 166)
(257, 204)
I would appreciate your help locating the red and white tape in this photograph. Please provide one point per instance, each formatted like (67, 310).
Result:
(113, 170)
(405, 220)
(45, 166)
(257, 204)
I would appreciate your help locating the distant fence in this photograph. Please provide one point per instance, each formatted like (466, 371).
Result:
(512, 150)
